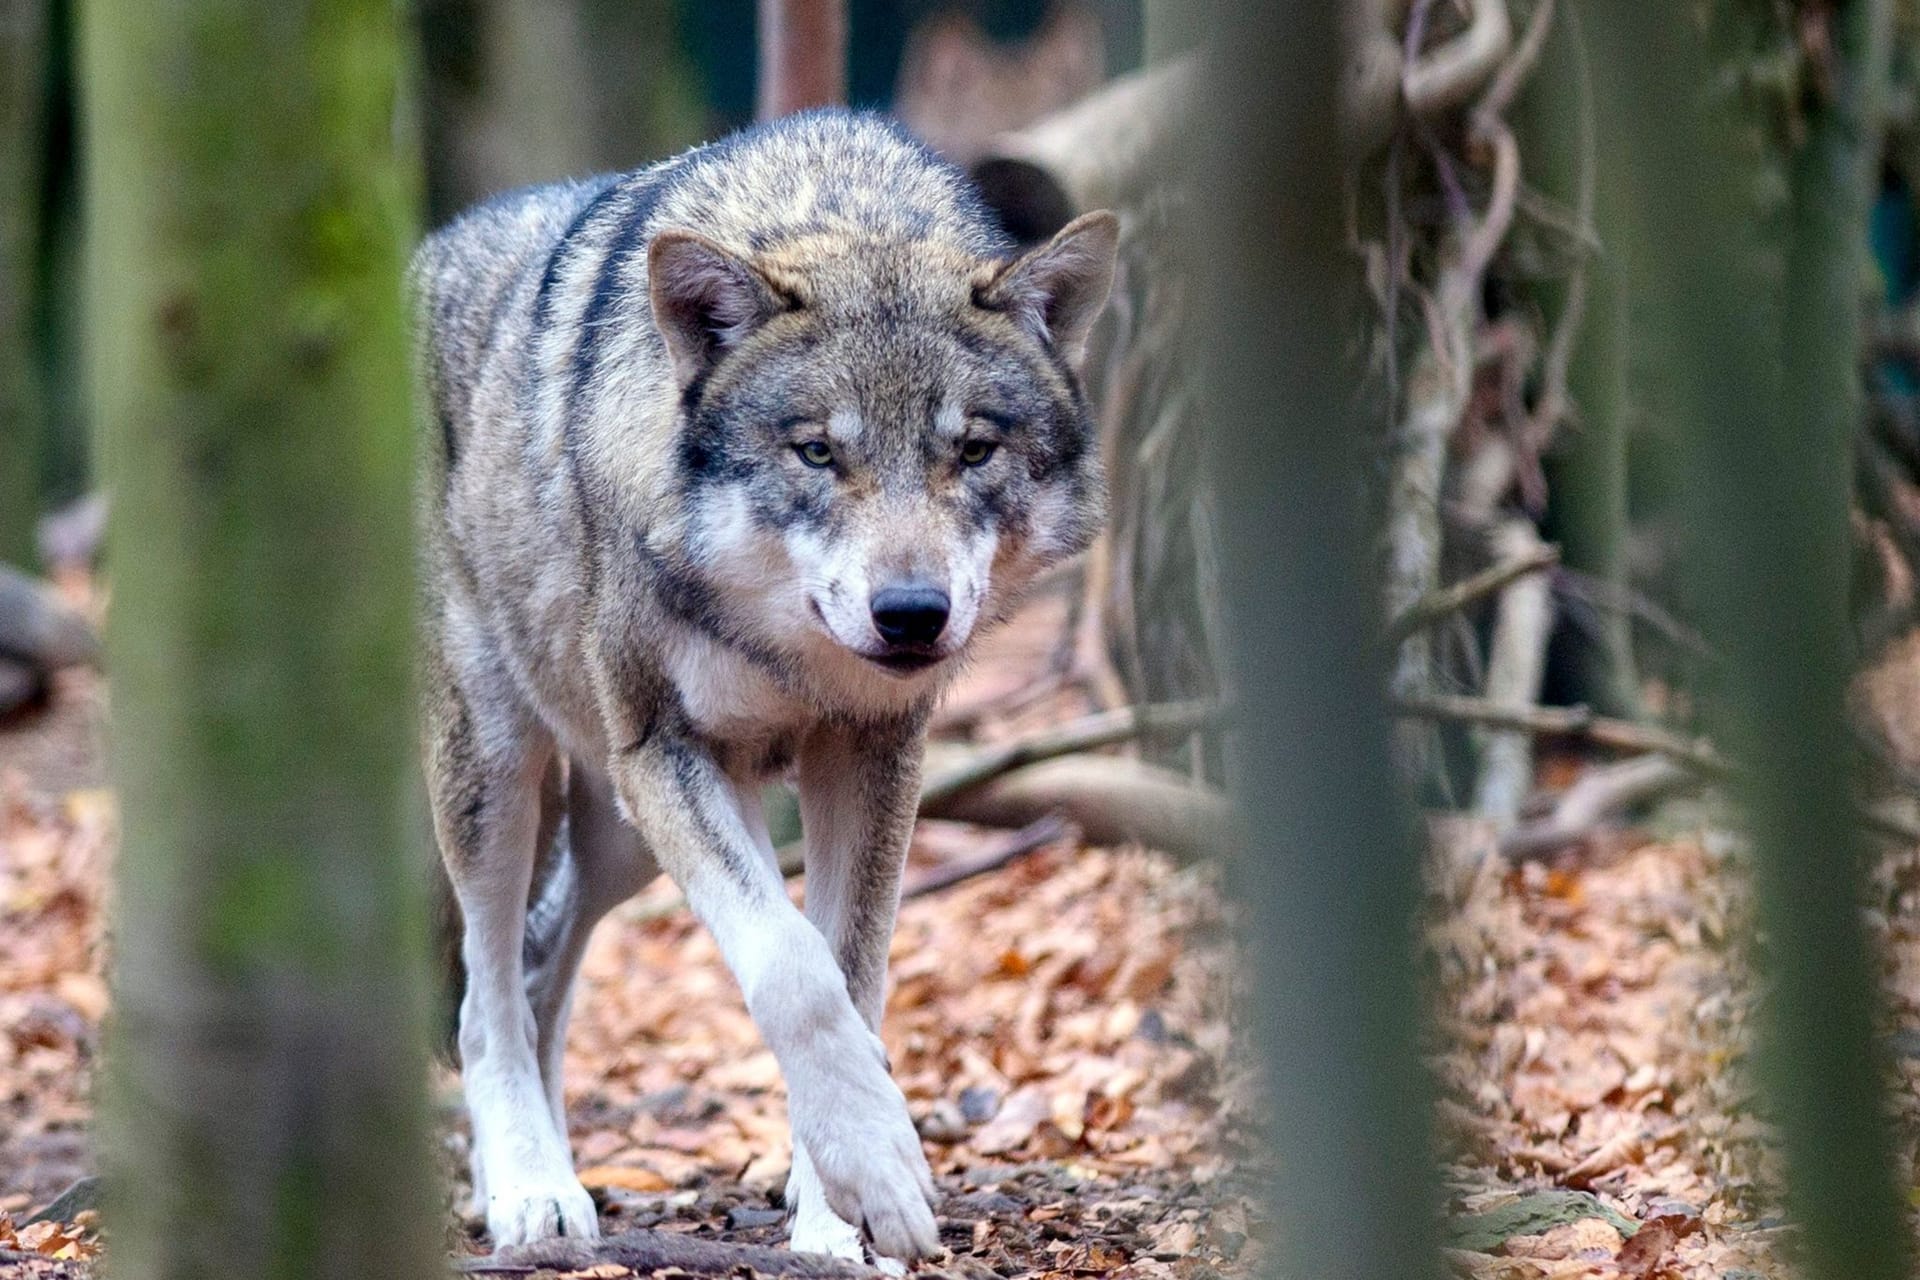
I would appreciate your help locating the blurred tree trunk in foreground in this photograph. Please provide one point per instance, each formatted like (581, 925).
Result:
(1328, 874)
(1763, 400)
(265, 1106)
(24, 27)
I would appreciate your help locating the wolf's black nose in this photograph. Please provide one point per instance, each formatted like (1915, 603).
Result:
(910, 617)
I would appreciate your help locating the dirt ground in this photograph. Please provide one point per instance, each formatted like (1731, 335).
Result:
(1060, 1029)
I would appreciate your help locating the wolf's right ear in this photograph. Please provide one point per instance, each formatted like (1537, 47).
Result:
(1058, 290)
(705, 299)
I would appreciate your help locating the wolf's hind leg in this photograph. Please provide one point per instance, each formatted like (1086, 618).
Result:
(486, 763)
(604, 864)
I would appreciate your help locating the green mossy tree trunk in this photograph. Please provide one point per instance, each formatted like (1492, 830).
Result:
(24, 27)
(1328, 874)
(1759, 373)
(265, 1110)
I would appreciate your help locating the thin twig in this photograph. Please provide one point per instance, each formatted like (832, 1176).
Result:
(1038, 834)
(1567, 722)
(1469, 591)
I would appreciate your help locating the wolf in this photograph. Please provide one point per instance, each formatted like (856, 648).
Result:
(735, 458)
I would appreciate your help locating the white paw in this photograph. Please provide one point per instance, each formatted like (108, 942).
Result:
(524, 1213)
(817, 1228)
(822, 1232)
(872, 1171)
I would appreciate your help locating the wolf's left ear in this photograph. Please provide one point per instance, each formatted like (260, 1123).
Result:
(705, 299)
(1057, 290)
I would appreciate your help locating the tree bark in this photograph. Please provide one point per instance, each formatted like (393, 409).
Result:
(1328, 874)
(265, 1098)
(24, 26)
(1764, 421)
(803, 55)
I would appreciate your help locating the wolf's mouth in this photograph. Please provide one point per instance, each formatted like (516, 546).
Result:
(903, 662)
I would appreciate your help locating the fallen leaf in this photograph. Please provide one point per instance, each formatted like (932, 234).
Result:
(623, 1178)
(1651, 1244)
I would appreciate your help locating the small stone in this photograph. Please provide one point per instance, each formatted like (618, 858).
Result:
(979, 1103)
(746, 1217)
(944, 1122)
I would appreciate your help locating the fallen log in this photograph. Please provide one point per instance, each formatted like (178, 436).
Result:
(647, 1252)
(1109, 150)
(1102, 729)
(1112, 800)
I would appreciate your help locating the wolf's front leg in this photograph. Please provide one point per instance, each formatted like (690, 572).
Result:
(858, 796)
(847, 1113)
(485, 769)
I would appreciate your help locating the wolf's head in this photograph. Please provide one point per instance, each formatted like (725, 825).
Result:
(881, 441)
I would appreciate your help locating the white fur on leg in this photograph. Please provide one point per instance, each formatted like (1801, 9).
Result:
(521, 1161)
(848, 1115)
(816, 1227)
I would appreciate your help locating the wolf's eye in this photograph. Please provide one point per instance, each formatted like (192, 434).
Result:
(974, 453)
(815, 453)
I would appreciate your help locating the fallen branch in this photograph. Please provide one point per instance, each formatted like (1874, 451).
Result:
(1037, 834)
(1696, 754)
(1437, 606)
(645, 1252)
(1567, 722)
(1601, 793)
(1108, 150)
(1112, 800)
(1102, 729)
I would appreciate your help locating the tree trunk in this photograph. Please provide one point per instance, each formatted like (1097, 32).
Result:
(803, 56)
(265, 1100)
(523, 91)
(1328, 874)
(1764, 421)
(24, 28)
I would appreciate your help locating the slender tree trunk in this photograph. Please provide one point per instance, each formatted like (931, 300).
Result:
(1590, 490)
(1587, 472)
(1328, 873)
(1764, 420)
(803, 55)
(265, 1113)
(24, 28)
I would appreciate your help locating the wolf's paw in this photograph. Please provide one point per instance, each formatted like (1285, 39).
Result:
(533, 1211)
(877, 1176)
(822, 1231)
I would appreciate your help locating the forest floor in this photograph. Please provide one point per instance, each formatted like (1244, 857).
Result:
(1060, 1029)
